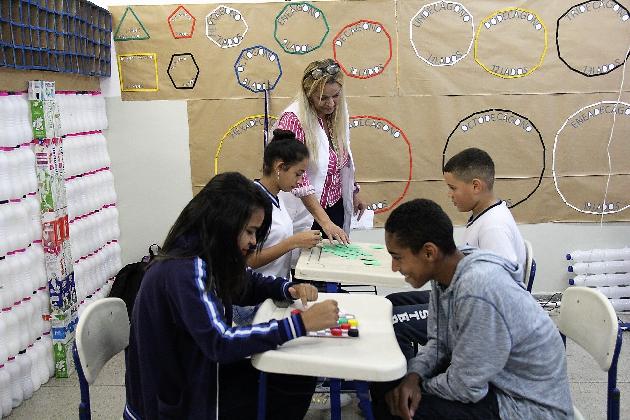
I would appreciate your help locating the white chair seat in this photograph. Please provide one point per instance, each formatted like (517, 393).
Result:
(102, 333)
(588, 318)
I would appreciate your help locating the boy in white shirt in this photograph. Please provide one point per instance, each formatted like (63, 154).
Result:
(470, 178)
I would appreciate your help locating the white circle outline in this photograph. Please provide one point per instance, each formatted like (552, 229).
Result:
(229, 38)
(553, 161)
(472, 36)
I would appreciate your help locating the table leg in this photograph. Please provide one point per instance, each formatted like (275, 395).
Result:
(363, 392)
(335, 399)
(332, 287)
(262, 396)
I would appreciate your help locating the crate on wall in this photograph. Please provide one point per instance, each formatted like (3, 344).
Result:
(70, 36)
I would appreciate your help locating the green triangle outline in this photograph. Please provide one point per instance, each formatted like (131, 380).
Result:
(129, 9)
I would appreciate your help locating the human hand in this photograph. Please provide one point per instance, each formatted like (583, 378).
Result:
(335, 232)
(304, 291)
(359, 205)
(306, 239)
(321, 315)
(403, 400)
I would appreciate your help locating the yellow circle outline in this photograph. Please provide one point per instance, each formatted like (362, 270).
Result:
(498, 12)
(218, 152)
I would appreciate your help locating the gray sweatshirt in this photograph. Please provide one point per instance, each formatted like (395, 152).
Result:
(485, 328)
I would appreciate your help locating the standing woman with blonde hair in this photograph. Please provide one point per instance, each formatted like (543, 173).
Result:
(328, 195)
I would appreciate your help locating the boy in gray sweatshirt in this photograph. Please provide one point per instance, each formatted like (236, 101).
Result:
(492, 351)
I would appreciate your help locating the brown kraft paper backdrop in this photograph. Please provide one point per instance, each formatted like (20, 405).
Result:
(364, 48)
(545, 118)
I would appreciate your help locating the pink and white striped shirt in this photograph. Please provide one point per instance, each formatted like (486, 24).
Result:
(331, 192)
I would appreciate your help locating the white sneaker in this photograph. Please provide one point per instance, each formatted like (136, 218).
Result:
(321, 400)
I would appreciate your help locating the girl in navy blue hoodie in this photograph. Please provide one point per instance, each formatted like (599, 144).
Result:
(185, 360)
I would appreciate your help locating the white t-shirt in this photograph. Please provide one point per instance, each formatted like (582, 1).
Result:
(494, 229)
(281, 229)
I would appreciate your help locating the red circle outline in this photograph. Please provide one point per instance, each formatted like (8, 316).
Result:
(343, 68)
(383, 210)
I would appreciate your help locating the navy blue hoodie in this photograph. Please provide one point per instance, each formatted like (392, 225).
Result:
(181, 333)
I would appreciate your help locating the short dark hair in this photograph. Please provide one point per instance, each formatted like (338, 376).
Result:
(285, 147)
(419, 221)
(472, 163)
(209, 227)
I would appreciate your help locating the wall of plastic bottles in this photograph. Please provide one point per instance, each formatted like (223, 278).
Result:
(27, 359)
(607, 270)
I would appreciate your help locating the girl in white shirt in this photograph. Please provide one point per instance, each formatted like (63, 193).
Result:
(284, 162)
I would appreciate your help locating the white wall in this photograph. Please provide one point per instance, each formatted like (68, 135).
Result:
(148, 145)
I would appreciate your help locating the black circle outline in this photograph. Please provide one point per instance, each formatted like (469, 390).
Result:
(515, 113)
(558, 44)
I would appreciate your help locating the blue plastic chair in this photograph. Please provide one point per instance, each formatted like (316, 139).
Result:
(588, 318)
(102, 333)
(530, 266)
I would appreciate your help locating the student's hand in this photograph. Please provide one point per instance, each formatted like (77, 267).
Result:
(321, 315)
(306, 239)
(335, 232)
(403, 400)
(304, 291)
(359, 205)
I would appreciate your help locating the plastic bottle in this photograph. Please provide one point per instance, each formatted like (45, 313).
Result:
(9, 132)
(4, 351)
(26, 381)
(5, 176)
(23, 327)
(6, 297)
(23, 119)
(622, 279)
(12, 269)
(599, 255)
(5, 112)
(6, 403)
(48, 354)
(17, 180)
(28, 169)
(36, 380)
(17, 392)
(42, 366)
(12, 333)
(31, 324)
(606, 267)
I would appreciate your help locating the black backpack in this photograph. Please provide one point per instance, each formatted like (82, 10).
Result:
(127, 281)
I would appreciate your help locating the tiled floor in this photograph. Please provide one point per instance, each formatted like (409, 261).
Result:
(59, 398)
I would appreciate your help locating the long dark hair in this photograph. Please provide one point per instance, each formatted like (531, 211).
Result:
(285, 147)
(209, 227)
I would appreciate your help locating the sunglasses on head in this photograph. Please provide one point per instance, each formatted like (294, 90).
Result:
(319, 72)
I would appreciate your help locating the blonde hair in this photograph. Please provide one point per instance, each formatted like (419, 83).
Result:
(308, 115)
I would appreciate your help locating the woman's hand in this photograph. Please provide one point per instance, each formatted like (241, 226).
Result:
(358, 204)
(304, 291)
(306, 239)
(335, 232)
(403, 400)
(321, 315)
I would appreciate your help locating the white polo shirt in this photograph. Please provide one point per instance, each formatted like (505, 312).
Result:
(281, 229)
(495, 230)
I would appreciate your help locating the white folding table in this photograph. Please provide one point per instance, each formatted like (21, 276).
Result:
(358, 264)
(373, 356)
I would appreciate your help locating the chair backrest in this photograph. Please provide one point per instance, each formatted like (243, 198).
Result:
(589, 319)
(102, 332)
(530, 266)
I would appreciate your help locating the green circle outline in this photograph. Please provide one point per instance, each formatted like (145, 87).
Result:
(275, 28)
